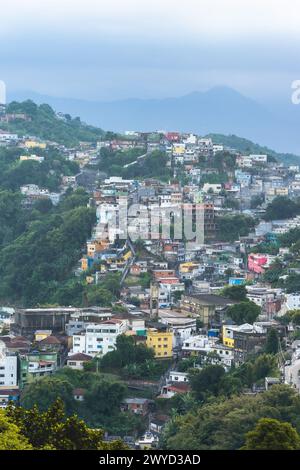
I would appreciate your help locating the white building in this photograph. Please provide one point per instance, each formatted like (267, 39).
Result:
(259, 158)
(182, 327)
(35, 158)
(292, 374)
(214, 188)
(209, 346)
(175, 376)
(99, 338)
(7, 136)
(8, 367)
(218, 148)
(293, 301)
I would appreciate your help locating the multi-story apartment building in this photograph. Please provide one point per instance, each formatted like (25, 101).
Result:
(99, 338)
(8, 367)
(161, 341)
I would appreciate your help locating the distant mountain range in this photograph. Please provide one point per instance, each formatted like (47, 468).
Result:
(220, 110)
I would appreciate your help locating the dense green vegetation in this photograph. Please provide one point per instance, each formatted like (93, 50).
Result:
(102, 400)
(15, 173)
(246, 147)
(223, 423)
(238, 293)
(272, 434)
(45, 124)
(231, 227)
(282, 208)
(153, 165)
(132, 361)
(52, 429)
(34, 265)
(243, 312)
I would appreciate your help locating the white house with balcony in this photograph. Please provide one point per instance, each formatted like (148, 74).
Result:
(99, 338)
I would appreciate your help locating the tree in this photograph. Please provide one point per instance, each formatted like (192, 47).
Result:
(207, 381)
(53, 429)
(289, 238)
(292, 283)
(231, 227)
(221, 424)
(244, 312)
(294, 317)
(238, 293)
(126, 353)
(281, 208)
(274, 272)
(271, 434)
(44, 392)
(257, 201)
(272, 342)
(11, 437)
(97, 295)
(265, 365)
(37, 265)
(105, 398)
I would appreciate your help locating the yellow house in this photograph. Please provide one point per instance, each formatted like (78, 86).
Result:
(227, 335)
(178, 149)
(29, 144)
(95, 246)
(39, 335)
(161, 342)
(187, 267)
(127, 256)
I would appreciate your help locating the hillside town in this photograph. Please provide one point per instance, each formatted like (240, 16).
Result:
(222, 300)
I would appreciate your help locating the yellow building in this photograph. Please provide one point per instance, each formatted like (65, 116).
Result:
(95, 246)
(161, 342)
(227, 335)
(42, 334)
(127, 256)
(178, 149)
(29, 144)
(188, 267)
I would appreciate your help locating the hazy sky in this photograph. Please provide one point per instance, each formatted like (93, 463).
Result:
(100, 49)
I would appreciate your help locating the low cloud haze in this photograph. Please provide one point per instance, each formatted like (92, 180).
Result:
(115, 50)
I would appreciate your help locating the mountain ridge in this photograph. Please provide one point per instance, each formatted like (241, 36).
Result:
(220, 110)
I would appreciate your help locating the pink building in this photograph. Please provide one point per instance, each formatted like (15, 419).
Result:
(257, 263)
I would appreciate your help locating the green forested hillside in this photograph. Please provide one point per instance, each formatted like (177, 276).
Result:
(247, 147)
(46, 249)
(15, 173)
(46, 125)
